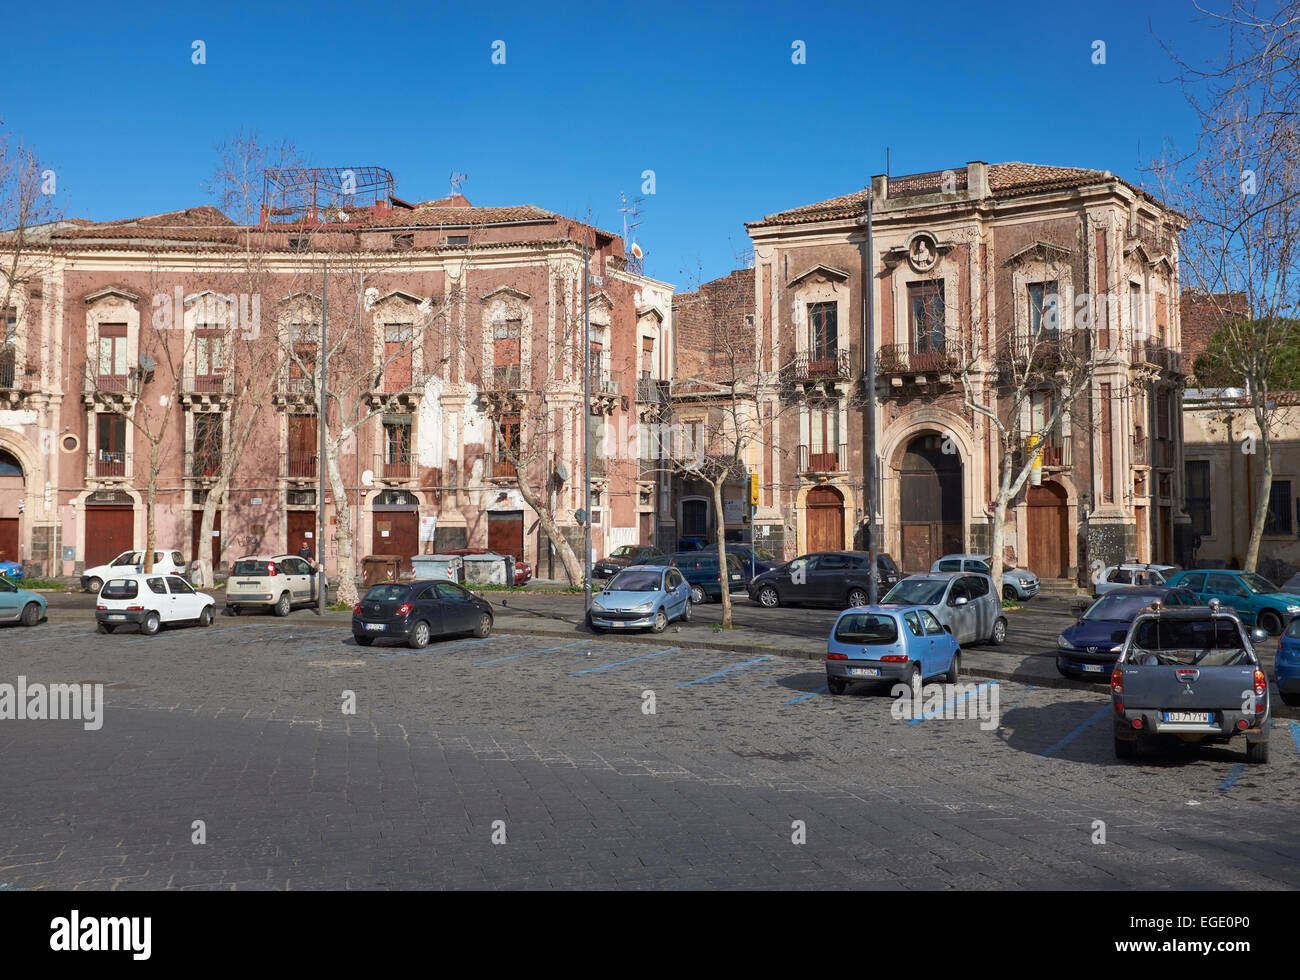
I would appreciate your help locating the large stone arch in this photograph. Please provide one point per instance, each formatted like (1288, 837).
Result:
(34, 510)
(801, 506)
(896, 438)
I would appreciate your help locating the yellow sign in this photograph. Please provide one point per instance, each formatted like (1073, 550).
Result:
(753, 489)
(1033, 445)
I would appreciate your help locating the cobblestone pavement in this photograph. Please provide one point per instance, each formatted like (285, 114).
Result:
(546, 743)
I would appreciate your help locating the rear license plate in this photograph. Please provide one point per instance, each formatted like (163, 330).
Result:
(253, 584)
(374, 626)
(1188, 717)
(116, 617)
(864, 671)
(1093, 668)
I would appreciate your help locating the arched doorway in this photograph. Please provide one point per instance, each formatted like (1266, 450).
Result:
(930, 511)
(1049, 530)
(12, 488)
(824, 507)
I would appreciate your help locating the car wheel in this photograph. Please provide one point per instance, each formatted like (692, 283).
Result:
(661, 622)
(592, 626)
(281, 607)
(954, 671)
(94, 585)
(836, 685)
(857, 597)
(419, 636)
(697, 594)
(915, 683)
(1009, 594)
(484, 625)
(234, 610)
(688, 613)
(1257, 752)
(364, 641)
(1125, 749)
(105, 628)
(1270, 622)
(1291, 699)
(999, 635)
(149, 626)
(31, 614)
(205, 617)
(767, 596)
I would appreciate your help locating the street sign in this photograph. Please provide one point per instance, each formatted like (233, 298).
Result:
(753, 489)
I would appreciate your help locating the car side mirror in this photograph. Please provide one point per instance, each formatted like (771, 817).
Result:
(947, 629)
(960, 600)
(1118, 636)
(1258, 635)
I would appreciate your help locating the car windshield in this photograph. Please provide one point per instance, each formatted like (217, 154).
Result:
(915, 592)
(387, 593)
(120, 588)
(1118, 608)
(867, 628)
(249, 568)
(625, 551)
(636, 582)
(1293, 631)
(1207, 642)
(1257, 583)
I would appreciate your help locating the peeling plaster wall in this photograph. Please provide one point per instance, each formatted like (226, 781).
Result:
(429, 429)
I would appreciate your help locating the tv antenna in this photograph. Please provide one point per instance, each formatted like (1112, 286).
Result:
(456, 180)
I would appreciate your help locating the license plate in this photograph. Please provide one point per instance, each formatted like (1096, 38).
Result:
(117, 617)
(864, 671)
(618, 625)
(374, 626)
(253, 584)
(1093, 668)
(1188, 717)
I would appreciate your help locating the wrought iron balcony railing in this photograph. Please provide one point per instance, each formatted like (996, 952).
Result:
(822, 461)
(300, 464)
(927, 357)
(110, 463)
(820, 366)
(652, 392)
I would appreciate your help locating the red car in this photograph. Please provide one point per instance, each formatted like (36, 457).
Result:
(523, 570)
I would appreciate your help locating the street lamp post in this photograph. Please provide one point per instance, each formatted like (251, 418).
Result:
(586, 427)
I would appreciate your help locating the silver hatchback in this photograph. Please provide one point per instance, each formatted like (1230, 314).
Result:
(965, 602)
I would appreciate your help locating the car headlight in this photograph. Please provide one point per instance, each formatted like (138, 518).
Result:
(1024, 583)
(1117, 648)
(645, 607)
(1063, 644)
(597, 606)
(1293, 609)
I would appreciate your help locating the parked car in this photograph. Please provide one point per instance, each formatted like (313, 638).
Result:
(20, 605)
(151, 601)
(888, 644)
(888, 573)
(1292, 584)
(1086, 649)
(694, 543)
(838, 577)
(966, 602)
(622, 557)
(1017, 583)
(1286, 665)
(755, 561)
(1131, 573)
(418, 611)
(700, 569)
(1190, 674)
(1254, 598)
(274, 582)
(164, 563)
(641, 597)
(11, 569)
(523, 571)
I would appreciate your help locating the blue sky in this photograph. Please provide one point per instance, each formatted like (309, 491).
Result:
(590, 96)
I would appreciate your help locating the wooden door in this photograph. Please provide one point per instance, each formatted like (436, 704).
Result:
(216, 537)
(302, 527)
(1049, 543)
(918, 547)
(825, 510)
(8, 539)
(506, 532)
(1140, 517)
(930, 504)
(396, 532)
(646, 529)
(109, 532)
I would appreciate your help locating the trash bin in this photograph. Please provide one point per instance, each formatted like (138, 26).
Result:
(490, 569)
(448, 567)
(376, 569)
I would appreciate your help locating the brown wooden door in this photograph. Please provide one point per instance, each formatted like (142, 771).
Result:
(8, 539)
(1049, 543)
(825, 510)
(109, 532)
(918, 547)
(402, 537)
(646, 528)
(506, 532)
(216, 537)
(302, 526)
(1140, 517)
(930, 505)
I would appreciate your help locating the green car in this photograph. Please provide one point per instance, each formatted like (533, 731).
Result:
(1254, 598)
(20, 606)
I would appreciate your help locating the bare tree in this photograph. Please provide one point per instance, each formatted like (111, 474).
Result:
(27, 211)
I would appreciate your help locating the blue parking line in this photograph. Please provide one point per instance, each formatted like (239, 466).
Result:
(1234, 774)
(1295, 734)
(805, 697)
(530, 653)
(1101, 713)
(935, 714)
(620, 663)
(709, 677)
(439, 649)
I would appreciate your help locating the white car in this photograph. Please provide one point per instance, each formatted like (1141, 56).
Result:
(164, 563)
(1131, 573)
(149, 601)
(274, 582)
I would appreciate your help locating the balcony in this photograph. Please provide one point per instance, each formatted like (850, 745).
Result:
(1052, 455)
(919, 364)
(498, 468)
(652, 392)
(396, 465)
(208, 384)
(110, 463)
(815, 366)
(300, 386)
(300, 464)
(1165, 358)
(824, 462)
(112, 382)
(1152, 234)
(1047, 351)
(204, 465)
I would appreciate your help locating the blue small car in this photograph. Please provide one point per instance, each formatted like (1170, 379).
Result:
(1086, 648)
(641, 597)
(1256, 600)
(20, 605)
(11, 569)
(1286, 667)
(890, 644)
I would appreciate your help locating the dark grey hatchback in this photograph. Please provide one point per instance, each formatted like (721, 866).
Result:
(418, 611)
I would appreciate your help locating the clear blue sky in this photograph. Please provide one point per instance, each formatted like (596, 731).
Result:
(705, 94)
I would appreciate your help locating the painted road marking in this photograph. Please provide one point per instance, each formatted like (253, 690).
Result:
(1295, 734)
(619, 663)
(530, 653)
(1235, 773)
(709, 677)
(1101, 713)
(440, 647)
(804, 697)
(935, 713)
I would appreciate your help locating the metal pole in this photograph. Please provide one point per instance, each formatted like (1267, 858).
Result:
(586, 428)
(869, 353)
(320, 422)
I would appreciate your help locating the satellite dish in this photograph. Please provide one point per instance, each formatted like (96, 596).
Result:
(561, 471)
(368, 478)
(580, 516)
(147, 363)
(636, 251)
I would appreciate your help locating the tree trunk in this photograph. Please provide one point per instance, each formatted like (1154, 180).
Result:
(206, 576)
(151, 499)
(723, 577)
(1265, 489)
(573, 569)
(346, 572)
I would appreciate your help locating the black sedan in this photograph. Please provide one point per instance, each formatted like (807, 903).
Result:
(418, 611)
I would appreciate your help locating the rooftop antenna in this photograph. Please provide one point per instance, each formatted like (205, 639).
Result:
(631, 207)
(456, 180)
